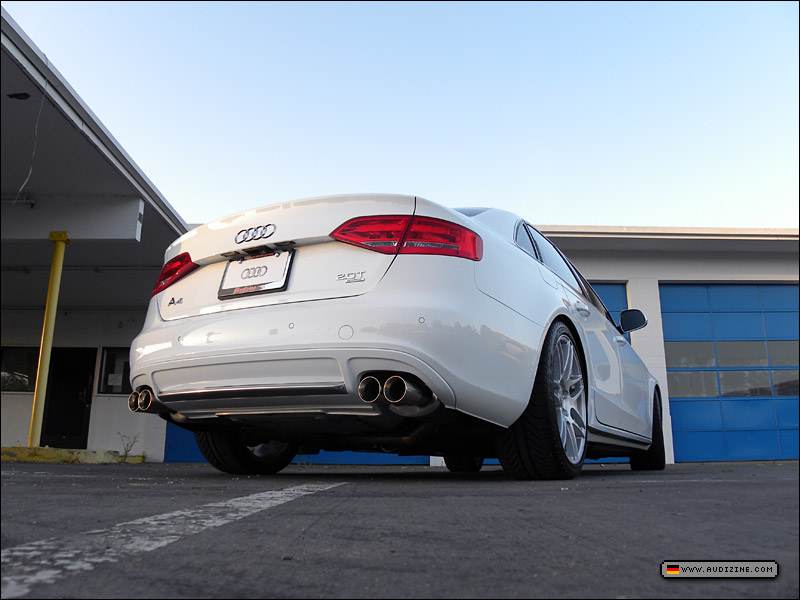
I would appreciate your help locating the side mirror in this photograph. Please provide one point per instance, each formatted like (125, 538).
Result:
(631, 320)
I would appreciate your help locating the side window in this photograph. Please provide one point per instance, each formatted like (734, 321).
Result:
(524, 242)
(554, 260)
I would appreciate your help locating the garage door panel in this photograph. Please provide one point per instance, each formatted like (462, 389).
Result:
(779, 297)
(684, 298)
(789, 444)
(696, 415)
(786, 412)
(783, 353)
(686, 326)
(692, 384)
(786, 382)
(725, 298)
(781, 324)
(751, 445)
(748, 414)
(698, 446)
(742, 353)
(690, 354)
(745, 383)
(737, 326)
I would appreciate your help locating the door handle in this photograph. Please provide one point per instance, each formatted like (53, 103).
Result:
(582, 308)
(620, 340)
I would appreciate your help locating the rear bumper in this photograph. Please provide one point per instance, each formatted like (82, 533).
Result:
(281, 382)
(478, 357)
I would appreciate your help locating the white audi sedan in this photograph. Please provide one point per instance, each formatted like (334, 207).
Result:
(389, 323)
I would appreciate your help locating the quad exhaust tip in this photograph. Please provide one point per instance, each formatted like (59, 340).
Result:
(133, 402)
(369, 389)
(399, 390)
(396, 389)
(143, 401)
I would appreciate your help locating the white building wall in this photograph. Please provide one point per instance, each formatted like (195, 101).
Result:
(15, 418)
(110, 418)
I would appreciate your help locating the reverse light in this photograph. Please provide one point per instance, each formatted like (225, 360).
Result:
(173, 270)
(398, 234)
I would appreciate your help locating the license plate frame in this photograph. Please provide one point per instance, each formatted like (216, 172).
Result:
(254, 275)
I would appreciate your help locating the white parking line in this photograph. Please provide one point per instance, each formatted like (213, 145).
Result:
(48, 560)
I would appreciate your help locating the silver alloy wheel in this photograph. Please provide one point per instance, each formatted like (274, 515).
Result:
(569, 396)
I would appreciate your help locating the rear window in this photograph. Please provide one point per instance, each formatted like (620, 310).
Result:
(552, 258)
(524, 241)
(470, 212)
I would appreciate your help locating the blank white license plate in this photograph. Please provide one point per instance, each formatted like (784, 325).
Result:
(256, 275)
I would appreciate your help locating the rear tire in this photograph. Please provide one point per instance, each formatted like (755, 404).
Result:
(548, 441)
(228, 452)
(654, 458)
(463, 463)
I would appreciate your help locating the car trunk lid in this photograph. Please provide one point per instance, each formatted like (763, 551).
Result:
(277, 254)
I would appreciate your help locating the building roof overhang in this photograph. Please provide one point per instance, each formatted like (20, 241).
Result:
(63, 170)
(572, 238)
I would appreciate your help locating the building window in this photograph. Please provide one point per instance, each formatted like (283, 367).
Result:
(115, 373)
(19, 369)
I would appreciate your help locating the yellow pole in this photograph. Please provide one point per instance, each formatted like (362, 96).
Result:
(59, 238)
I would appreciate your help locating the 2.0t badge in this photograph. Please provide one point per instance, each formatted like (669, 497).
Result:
(353, 277)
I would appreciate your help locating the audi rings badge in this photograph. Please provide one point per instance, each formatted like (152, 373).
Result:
(253, 272)
(261, 232)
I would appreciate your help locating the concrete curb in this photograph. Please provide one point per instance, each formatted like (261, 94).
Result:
(130, 459)
(60, 455)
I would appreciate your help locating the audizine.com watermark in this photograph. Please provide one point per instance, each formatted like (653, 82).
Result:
(719, 568)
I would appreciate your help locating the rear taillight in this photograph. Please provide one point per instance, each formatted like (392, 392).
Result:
(382, 234)
(393, 234)
(434, 236)
(174, 270)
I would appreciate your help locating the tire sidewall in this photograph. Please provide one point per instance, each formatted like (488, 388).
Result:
(544, 394)
(654, 458)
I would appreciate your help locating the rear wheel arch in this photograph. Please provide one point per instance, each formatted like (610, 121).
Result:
(563, 318)
(545, 441)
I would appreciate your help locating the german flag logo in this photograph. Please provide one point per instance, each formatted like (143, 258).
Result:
(673, 570)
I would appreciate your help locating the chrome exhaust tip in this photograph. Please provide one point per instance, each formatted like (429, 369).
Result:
(398, 390)
(145, 400)
(133, 402)
(369, 389)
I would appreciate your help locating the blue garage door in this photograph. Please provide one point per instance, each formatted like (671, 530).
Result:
(732, 370)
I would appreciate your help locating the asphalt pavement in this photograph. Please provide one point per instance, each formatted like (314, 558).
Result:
(189, 531)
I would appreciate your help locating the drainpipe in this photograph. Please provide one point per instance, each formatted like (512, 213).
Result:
(59, 238)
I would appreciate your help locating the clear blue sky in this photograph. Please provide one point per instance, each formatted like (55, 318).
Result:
(602, 113)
